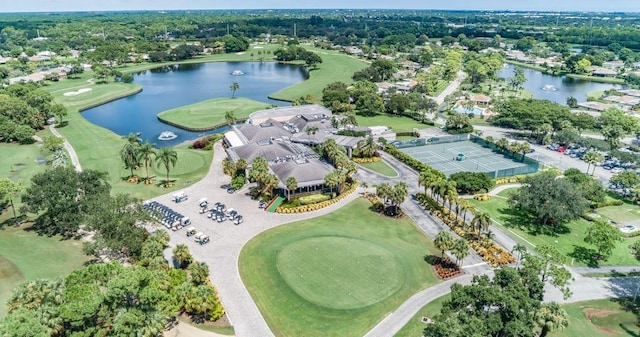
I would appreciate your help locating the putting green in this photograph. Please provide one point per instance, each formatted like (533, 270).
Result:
(340, 272)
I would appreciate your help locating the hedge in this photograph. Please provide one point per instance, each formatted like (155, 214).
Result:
(412, 162)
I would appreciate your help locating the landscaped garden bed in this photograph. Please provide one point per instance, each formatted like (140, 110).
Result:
(445, 268)
(319, 205)
(492, 253)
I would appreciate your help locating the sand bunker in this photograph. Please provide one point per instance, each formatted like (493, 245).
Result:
(79, 92)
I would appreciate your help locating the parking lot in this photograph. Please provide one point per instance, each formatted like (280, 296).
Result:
(227, 239)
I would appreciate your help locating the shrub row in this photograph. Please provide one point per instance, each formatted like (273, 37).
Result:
(511, 180)
(366, 160)
(313, 199)
(482, 197)
(491, 252)
(320, 205)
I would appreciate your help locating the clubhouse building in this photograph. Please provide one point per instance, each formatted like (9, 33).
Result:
(284, 136)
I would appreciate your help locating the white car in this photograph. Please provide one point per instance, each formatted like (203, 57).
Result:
(616, 170)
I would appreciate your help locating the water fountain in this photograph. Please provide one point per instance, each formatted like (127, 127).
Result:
(167, 135)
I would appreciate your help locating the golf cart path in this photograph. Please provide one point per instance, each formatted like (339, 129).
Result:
(223, 251)
(72, 152)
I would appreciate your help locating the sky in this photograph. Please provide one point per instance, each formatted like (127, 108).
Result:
(116, 5)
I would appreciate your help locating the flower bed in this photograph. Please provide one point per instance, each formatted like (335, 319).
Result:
(366, 160)
(445, 268)
(510, 180)
(320, 205)
(491, 252)
(482, 197)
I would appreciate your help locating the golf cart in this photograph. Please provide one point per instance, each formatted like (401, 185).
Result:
(203, 202)
(201, 238)
(180, 197)
(231, 213)
(239, 219)
(191, 231)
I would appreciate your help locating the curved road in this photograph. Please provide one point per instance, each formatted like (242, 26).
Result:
(72, 152)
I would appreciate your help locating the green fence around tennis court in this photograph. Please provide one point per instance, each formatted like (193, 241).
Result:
(528, 165)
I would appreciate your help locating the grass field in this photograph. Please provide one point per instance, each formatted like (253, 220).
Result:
(98, 148)
(335, 67)
(232, 57)
(597, 79)
(599, 318)
(19, 162)
(415, 327)
(209, 113)
(24, 255)
(396, 123)
(336, 275)
(382, 168)
(570, 243)
(623, 214)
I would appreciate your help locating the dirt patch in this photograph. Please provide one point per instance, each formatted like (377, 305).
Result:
(600, 313)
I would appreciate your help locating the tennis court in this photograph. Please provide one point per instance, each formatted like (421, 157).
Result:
(475, 158)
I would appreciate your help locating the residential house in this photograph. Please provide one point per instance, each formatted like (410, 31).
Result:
(481, 100)
(603, 72)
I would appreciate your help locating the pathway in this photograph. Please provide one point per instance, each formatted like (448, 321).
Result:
(72, 152)
(227, 240)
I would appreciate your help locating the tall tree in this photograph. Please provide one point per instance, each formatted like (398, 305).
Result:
(182, 256)
(367, 147)
(234, 87)
(292, 185)
(615, 124)
(8, 191)
(146, 154)
(167, 157)
(481, 222)
(230, 118)
(604, 236)
(443, 241)
(460, 250)
(551, 317)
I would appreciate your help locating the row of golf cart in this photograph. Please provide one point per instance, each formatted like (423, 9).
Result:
(166, 216)
(219, 212)
(198, 237)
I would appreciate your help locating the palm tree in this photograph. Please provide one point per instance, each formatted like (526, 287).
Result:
(367, 147)
(129, 153)
(524, 147)
(425, 179)
(521, 250)
(228, 167)
(270, 182)
(460, 250)
(502, 144)
(241, 165)
(234, 87)
(198, 272)
(589, 158)
(259, 171)
(481, 222)
(462, 206)
(383, 191)
(450, 193)
(311, 131)
(443, 241)
(230, 118)
(572, 102)
(182, 255)
(489, 139)
(551, 317)
(292, 185)
(146, 154)
(168, 158)
(399, 192)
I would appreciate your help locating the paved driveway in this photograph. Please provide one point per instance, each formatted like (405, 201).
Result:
(227, 240)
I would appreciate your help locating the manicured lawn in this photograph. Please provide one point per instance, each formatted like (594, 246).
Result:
(98, 148)
(24, 255)
(623, 214)
(415, 327)
(570, 242)
(335, 275)
(396, 123)
(209, 113)
(599, 318)
(382, 168)
(335, 67)
(597, 79)
(20, 162)
(231, 57)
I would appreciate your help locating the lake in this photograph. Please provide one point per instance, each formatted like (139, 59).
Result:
(564, 86)
(174, 86)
